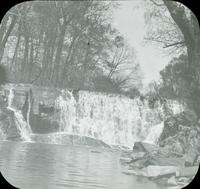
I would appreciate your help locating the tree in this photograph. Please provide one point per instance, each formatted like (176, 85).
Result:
(6, 32)
(67, 44)
(186, 27)
(2, 75)
(174, 79)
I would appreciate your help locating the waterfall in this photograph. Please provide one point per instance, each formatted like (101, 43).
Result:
(114, 119)
(22, 126)
(111, 118)
(154, 133)
(29, 109)
(67, 104)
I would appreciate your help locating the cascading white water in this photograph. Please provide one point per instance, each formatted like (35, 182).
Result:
(22, 126)
(29, 110)
(67, 104)
(154, 133)
(114, 119)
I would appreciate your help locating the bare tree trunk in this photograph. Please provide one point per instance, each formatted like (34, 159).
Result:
(7, 34)
(191, 32)
(85, 64)
(59, 52)
(24, 66)
(45, 46)
(3, 27)
(30, 64)
(51, 59)
(38, 45)
(13, 63)
(67, 61)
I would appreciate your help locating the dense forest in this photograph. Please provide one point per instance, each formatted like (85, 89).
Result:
(172, 26)
(73, 44)
(68, 44)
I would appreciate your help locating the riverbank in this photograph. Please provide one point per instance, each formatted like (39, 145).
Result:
(166, 163)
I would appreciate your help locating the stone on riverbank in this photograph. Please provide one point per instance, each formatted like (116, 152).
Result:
(162, 161)
(190, 157)
(156, 172)
(188, 171)
(164, 164)
(144, 147)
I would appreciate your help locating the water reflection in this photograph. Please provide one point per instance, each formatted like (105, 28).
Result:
(33, 165)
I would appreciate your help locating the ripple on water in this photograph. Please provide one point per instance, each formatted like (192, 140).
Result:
(32, 165)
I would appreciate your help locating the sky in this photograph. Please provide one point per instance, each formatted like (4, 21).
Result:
(129, 20)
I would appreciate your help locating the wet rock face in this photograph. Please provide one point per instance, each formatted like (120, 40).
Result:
(43, 124)
(176, 123)
(19, 100)
(144, 147)
(28, 100)
(170, 128)
(181, 136)
(8, 128)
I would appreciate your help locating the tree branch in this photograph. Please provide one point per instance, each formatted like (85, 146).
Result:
(174, 44)
(178, 16)
(157, 4)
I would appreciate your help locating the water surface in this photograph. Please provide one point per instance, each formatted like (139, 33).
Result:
(35, 166)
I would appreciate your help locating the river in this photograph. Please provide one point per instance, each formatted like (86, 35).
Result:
(36, 165)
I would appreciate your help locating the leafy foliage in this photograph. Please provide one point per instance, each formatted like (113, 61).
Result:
(180, 32)
(66, 44)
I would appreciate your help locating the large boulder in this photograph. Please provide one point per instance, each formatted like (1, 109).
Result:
(8, 121)
(157, 171)
(176, 123)
(184, 141)
(145, 154)
(170, 128)
(158, 159)
(191, 157)
(144, 147)
(8, 126)
(137, 156)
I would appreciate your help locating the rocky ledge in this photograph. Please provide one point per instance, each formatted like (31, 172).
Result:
(174, 161)
(68, 139)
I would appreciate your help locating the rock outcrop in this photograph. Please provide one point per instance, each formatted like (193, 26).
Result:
(8, 129)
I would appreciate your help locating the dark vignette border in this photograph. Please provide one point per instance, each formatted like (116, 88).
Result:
(191, 4)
